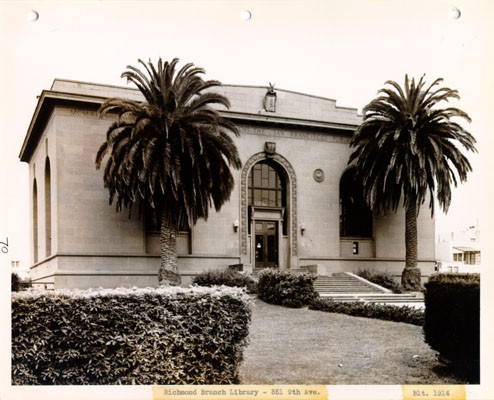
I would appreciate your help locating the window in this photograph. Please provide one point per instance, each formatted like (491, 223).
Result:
(48, 207)
(184, 237)
(472, 257)
(35, 222)
(355, 216)
(267, 188)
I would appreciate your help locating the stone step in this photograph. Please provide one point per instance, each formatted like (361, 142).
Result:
(344, 287)
(362, 296)
(347, 288)
(339, 283)
(399, 299)
(350, 290)
(343, 283)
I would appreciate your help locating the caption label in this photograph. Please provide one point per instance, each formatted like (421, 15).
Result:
(434, 392)
(240, 392)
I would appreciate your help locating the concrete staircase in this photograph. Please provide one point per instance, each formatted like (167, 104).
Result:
(347, 287)
(345, 283)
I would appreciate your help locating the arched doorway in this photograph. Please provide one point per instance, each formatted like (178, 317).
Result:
(267, 200)
(268, 230)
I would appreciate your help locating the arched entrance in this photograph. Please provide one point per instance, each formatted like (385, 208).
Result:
(268, 207)
(267, 200)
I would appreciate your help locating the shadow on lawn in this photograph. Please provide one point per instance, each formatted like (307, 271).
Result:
(462, 372)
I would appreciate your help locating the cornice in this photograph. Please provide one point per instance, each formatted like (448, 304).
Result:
(49, 99)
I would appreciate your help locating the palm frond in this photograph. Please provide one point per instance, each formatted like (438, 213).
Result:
(174, 150)
(404, 146)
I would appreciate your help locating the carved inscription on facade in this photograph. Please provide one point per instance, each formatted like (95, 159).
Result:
(83, 113)
(293, 134)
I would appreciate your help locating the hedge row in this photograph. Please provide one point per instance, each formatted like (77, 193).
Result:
(285, 288)
(129, 336)
(227, 278)
(452, 320)
(405, 314)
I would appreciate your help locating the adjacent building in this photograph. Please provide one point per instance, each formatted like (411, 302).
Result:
(294, 205)
(459, 251)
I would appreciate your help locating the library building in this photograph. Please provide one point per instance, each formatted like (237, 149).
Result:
(294, 205)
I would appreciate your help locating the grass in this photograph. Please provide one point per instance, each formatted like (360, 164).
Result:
(304, 346)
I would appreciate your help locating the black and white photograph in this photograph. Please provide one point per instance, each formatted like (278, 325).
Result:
(277, 199)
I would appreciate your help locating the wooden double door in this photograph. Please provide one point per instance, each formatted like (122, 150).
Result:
(266, 244)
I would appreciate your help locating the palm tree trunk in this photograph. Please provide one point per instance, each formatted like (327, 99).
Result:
(168, 272)
(410, 278)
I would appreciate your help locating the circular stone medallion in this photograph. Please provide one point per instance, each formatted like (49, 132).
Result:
(318, 175)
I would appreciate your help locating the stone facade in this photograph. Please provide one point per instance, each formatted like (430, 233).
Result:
(80, 241)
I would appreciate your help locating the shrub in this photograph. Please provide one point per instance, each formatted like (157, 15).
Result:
(405, 314)
(285, 288)
(227, 278)
(383, 279)
(452, 321)
(16, 283)
(129, 336)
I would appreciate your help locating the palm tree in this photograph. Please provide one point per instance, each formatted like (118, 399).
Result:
(171, 153)
(406, 146)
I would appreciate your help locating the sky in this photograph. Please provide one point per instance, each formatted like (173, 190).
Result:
(344, 50)
(335, 49)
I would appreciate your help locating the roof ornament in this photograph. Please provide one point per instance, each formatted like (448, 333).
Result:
(270, 99)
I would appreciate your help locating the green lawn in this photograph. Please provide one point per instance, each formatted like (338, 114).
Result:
(310, 347)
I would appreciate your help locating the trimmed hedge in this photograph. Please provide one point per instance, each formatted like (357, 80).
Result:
(405, 314)
(285, 288)
(227, 278)
(129, 336)
(452, 321)
(383, 279)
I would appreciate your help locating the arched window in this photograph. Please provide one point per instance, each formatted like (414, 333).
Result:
(48, 207)
(35, 222)
(355, 215)
(267, 187)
